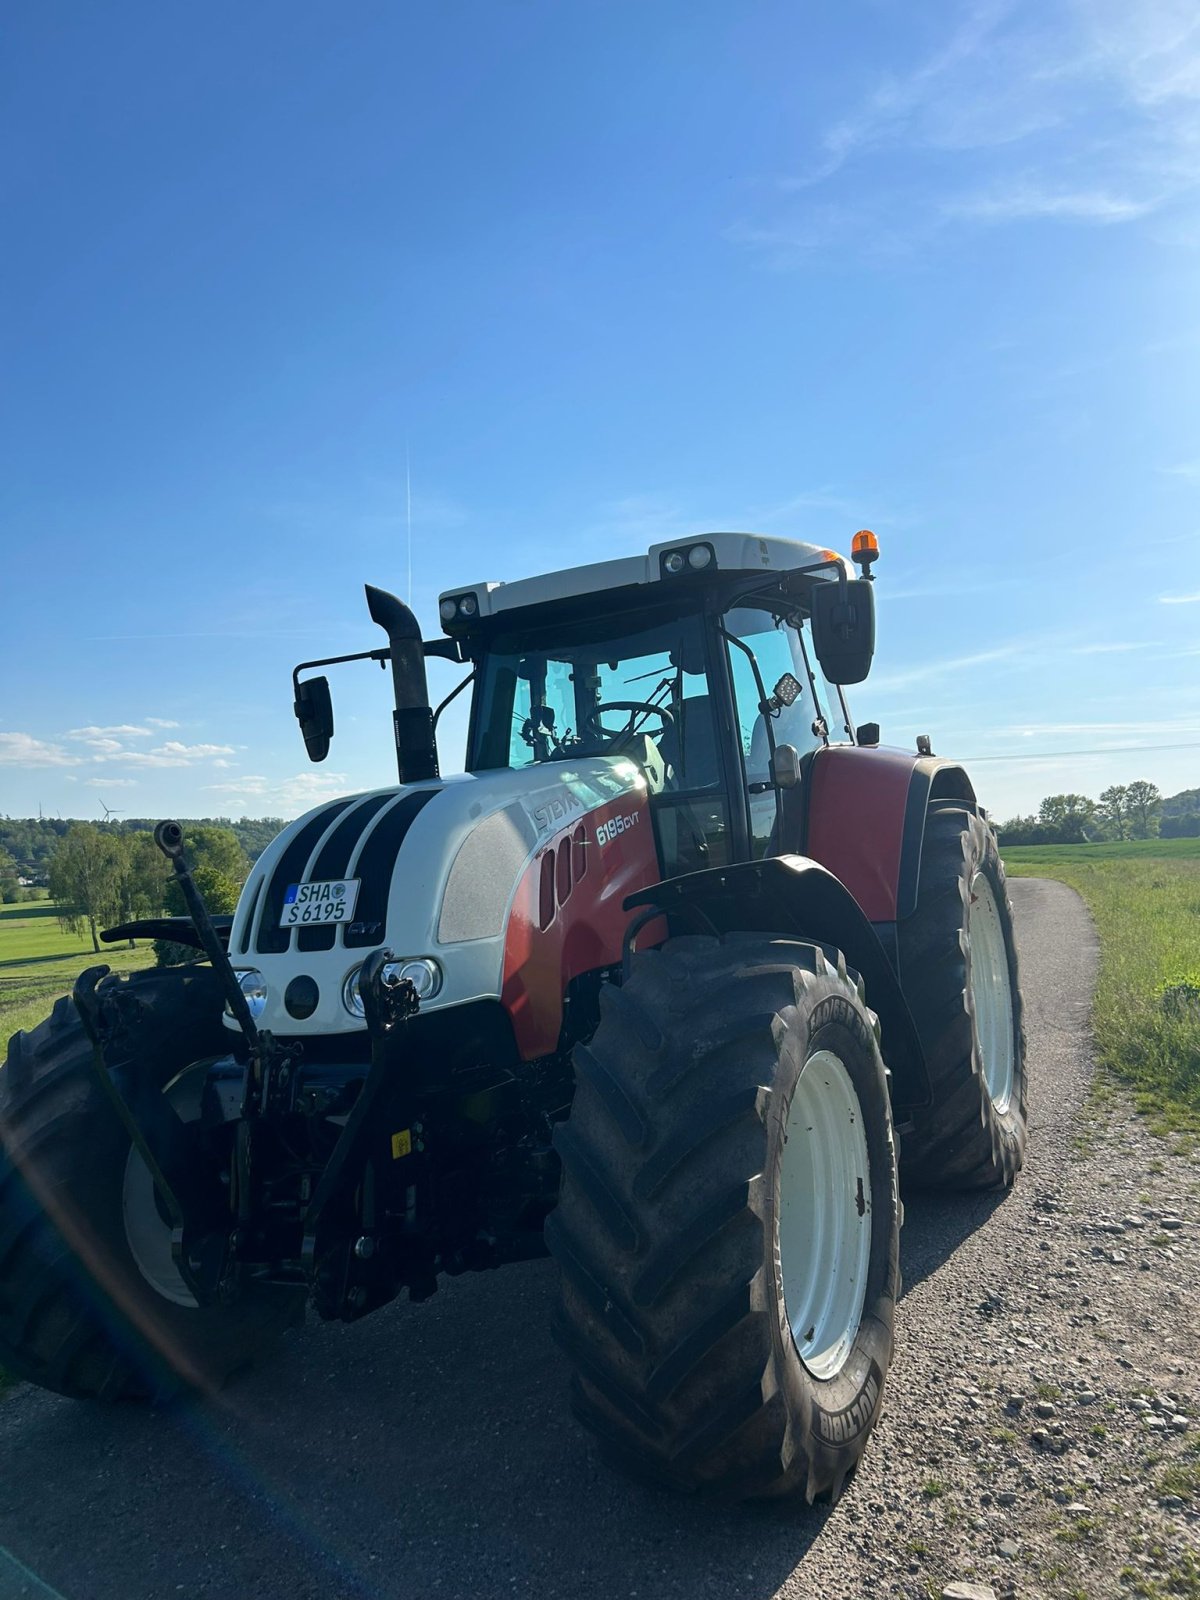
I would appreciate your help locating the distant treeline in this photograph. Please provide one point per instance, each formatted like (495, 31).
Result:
(1124, 811)
(31, 841)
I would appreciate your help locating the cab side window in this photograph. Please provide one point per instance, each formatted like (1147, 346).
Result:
(777, 650)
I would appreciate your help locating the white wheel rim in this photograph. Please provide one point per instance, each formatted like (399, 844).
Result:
(148, 1236)
(991, 993)
(824, 1215)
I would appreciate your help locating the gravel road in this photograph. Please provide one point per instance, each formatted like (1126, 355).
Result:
(429, 1451)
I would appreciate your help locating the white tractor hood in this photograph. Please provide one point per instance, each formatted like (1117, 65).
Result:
(439, 865)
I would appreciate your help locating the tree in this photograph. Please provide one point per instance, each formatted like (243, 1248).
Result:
(1114, 809)
(1145, 809)
(1023, 830)
(208, 845)
(85, 879)
(1068, 816)
(10, 889)
(143, 876)
(220, 894)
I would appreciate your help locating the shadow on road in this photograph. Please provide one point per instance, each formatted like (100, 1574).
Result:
(427, 1450)
(936, 1223)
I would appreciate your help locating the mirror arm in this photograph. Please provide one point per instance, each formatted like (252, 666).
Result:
(382, 656)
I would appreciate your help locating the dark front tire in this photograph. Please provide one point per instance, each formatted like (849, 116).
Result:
(728, 1227)
(958, 965)
(77, 1313)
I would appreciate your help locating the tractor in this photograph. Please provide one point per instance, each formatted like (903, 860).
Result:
(675, 982)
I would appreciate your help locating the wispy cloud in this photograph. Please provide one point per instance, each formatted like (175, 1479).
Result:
(884, 681)
(111, 744)
(23, 750)
(1179, 599)
(110, 783)
(290, 795)
(1020, 200)
(1108, 647)
(120, 730)
(1083, 112)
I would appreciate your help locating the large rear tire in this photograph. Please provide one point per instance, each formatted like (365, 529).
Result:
(78, 1314)
(728, 1228)
(958, 965)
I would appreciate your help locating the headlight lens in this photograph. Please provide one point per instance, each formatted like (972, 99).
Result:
(699, 557)
(674, 562)
(423, 972)
(253, 985)
(448, 610)
(351, 998)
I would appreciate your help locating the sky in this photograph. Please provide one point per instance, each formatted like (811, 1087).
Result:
(556, 282)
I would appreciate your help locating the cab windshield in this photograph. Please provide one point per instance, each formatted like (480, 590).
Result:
(599, 688)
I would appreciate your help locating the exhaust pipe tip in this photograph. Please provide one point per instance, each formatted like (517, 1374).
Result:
(412, 720)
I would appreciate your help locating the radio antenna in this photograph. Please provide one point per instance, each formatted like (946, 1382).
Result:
(408, 512)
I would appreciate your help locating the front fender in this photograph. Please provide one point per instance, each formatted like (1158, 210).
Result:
(798, 898)
(865, 820)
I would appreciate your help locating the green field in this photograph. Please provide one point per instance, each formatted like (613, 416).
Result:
(1052, 855)
(1145, 899)
(39, 960)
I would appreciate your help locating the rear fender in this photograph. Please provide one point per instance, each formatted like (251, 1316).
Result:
(797, 898)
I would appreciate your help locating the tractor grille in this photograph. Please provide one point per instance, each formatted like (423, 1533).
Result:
(333, 860)
(365, 844)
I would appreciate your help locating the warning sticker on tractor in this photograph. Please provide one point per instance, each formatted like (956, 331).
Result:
(401, 1143)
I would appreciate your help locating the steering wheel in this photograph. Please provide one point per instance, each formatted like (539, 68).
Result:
(633, 709)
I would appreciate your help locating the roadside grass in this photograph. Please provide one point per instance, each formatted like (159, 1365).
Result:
(1144, 897)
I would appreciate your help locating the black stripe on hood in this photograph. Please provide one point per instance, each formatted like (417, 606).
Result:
(333, 860)
(375, 865)
(272, 939)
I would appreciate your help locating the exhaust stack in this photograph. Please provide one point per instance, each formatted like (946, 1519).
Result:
(416, 747)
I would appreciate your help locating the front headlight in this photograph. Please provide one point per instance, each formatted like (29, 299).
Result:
(423, 972)
(253, 985)
(351, 998)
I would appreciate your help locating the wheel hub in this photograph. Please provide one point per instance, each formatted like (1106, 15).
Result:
(824, 1215)
(991, 993)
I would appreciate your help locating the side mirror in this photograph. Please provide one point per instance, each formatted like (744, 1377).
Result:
(785, 766)
(867, 733)
(843, 628)
(314, 713)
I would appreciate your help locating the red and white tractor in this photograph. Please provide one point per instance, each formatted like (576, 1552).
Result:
(673, 981)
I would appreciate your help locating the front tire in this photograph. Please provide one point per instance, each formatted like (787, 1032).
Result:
(89, 1304)
(958, 965)
(728, 1227)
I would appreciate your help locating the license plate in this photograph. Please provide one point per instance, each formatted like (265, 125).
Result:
(309, 903)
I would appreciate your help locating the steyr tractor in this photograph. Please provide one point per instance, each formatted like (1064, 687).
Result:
(673, 982)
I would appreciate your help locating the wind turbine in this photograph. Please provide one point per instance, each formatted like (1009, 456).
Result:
(109, 812)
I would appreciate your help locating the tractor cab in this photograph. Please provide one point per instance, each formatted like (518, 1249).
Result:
(702, 662)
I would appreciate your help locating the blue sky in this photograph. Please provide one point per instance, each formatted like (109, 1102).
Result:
(607, 272)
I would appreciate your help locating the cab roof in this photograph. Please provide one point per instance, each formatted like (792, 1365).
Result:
(726, 553)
